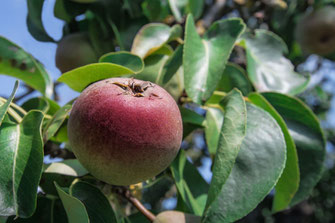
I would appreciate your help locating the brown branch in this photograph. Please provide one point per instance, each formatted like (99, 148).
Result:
(125, 192)
(213, 12)
(54, 151)
(28, 92)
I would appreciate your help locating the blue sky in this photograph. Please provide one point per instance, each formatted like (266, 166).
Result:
(13, 26)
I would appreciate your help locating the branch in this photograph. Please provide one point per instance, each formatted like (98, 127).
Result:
(213, 12)
(28, 92)
(134, 201)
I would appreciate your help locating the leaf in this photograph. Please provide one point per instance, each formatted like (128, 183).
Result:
(67, 10)
(307, 134)
(79, 78)
(39, 103)
(267, 68)
(154, 10)
(190, 184)
(123, 58)
(5, 106)
(288, 182)
(172, 65)
(257, 168)
(75, 209)
(55, 123)
(191, 121)
(153, 36)
(234, 77)
(49, 209)
(15, 62)
(69, 167)
(230, 140)
(34, 21)
(204, 58)
(181, 7)
(177, 7)
(63, 173)
(195, 7)
(97, 205)
(214, 121)
(21, 165)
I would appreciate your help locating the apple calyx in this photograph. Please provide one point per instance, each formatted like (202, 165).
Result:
(136, 89)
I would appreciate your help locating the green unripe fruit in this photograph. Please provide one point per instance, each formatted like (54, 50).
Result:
(124, 130)
(315, 32)
(74, 50)
(176, 217)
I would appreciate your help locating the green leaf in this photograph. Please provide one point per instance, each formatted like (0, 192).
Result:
(152, 37)
(69, 167)
(191, 121)
(79, 78)
(155, 10)
(97, 205)
(21, 165)
(63, 173)
(67, 10)
(15, 62)
(123, 58)
(34, 21)
(5, 106)
(267, 68)
(75, 209)
(288, 182)
(230, 140)
(257, 168)
(49, 209)
(204, 58)
(195, 7)
(39, 103)
(234, 77)
(181, 7)
(177, 7)
(214, 121)
(191, 186)
(55, 123)
(43, 104)
(172, 65)
(307, 134)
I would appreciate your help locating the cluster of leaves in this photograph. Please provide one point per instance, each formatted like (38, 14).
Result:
(259, 135)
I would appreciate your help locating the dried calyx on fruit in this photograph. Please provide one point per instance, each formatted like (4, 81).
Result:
(136, 89)
(124, 130)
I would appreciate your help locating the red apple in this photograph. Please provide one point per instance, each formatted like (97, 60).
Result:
(124, 130)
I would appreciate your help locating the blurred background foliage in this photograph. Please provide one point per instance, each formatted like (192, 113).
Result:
(102, 26)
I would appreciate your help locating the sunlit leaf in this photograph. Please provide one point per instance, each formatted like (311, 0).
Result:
(204, 58)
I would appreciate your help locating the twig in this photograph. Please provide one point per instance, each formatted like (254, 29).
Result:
(213, 12)
(28, 92)
(54, 150)
(134, 201)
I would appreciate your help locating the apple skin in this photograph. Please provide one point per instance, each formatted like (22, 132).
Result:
(122, 139)
(75, 50)
(176, 217)
(315, 32)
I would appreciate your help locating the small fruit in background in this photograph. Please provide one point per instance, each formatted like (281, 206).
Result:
(73, 51)
(315, 31)
(176, 217)
(124, 130)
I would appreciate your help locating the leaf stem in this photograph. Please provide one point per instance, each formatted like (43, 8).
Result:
(18, 108)
(125, 192)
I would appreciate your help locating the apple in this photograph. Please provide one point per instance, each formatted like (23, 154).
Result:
(315, 32)
(75, 50)
(124, 130)
(176, 217)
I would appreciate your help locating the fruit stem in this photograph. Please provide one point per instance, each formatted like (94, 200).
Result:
(134, 201)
